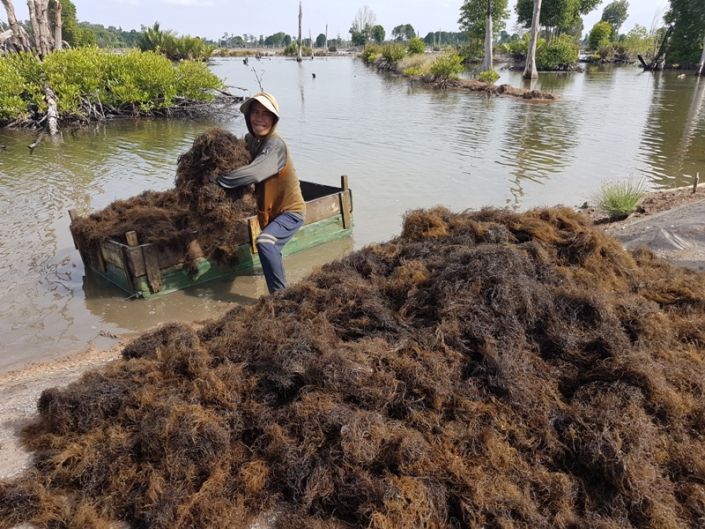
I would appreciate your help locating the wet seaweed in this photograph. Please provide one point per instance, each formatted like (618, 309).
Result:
(192, 210)
(484, 369)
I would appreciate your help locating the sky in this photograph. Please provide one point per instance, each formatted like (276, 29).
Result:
(214, 18)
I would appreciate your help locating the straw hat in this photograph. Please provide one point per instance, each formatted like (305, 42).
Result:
(266, 99)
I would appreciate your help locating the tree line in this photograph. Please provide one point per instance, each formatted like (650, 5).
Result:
(556, 30)
(680, 40)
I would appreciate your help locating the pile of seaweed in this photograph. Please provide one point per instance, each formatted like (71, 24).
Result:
(173, 218)
(482, 370)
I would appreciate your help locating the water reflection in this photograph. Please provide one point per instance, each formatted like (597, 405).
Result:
(537, 143)
(674, 137)
(554, 82)
(402, 144)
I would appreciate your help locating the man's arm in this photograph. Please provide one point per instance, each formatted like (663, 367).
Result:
(268, 162)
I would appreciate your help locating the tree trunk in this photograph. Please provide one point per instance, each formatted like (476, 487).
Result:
(298, 56)
(19, 39)
(57, 26)
(660, 58)
(487, 61)
(701, 66)
(530, 71)
(40, 26)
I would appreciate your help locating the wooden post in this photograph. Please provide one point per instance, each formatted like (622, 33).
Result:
(255, 230)
(345, 202)
(151, 263)
(131, 238)
(73, 215)
(135, 256)
(695, 182)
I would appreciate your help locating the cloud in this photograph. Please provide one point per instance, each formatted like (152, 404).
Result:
(190, 3)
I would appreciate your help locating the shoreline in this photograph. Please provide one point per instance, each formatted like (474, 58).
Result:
(20, 389)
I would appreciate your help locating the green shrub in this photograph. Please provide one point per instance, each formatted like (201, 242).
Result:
(472, 50)
(520, 47)
(557, 53)
(413, 71)
(488, 76)
(415, 65)
(20, 86)
(137, 81)
(416, 46)
(600, 35)
(393, 52)
(12, 105)
(371, 52)
(291, 50)
(639, 42)
(74, 73)
(605, 52)
(619, 199)
(173, 47)
(447, 66)
(195, 81)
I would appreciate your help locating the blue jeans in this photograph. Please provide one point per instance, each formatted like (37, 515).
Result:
(270, 243)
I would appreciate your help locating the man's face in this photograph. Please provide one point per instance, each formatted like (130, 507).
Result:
(261, 119)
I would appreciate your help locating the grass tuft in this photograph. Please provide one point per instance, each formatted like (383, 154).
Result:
(619, 199)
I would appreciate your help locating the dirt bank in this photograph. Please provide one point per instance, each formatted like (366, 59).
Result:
(20, 391)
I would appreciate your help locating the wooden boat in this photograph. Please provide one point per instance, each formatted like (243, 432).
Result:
(145, 271)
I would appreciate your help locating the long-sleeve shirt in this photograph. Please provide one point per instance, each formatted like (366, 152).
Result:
(268, 158)
(271, 170)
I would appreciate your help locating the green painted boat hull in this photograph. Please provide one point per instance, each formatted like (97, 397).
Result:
(143, 271)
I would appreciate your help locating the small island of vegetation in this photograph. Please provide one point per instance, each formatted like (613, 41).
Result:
(47, 81)
(551, 41)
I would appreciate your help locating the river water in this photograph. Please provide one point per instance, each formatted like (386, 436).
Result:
(403, 146)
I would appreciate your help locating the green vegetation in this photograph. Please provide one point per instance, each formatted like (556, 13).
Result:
(404, 32)
(688, 19)
(638, 42)
(473, 20)
(557, 16)
(416, 46)
(84, 79)
(619, 199)
(418, 66)
(377, 33)
(518, 48)
(488, 76)
(447, 66)
(371, 52)
(615, 14)
(557, 54)
(600, 35)
(436, 39)
(173, 47)
(393, 52)
(72, 32)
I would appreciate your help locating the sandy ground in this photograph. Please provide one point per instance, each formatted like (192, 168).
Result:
(19, 391)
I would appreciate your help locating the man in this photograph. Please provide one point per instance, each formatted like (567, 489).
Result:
(280, 205)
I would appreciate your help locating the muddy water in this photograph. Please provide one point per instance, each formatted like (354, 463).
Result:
(402, 146)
